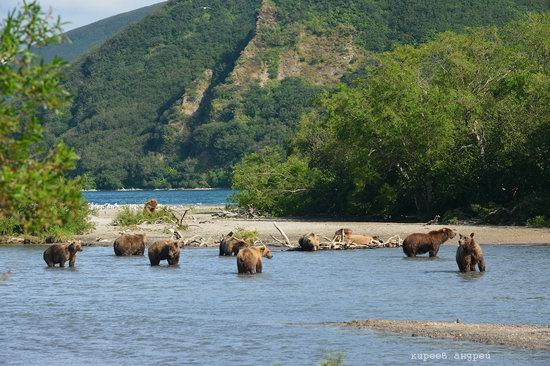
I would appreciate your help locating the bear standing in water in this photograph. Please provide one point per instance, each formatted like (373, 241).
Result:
(249, 260)
(230, 245)
(61, 253)
(419, 243)
(468, 254)
(168, 250)
(130, 244)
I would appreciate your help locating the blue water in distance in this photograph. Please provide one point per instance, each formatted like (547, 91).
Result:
(165, 197)
(120, 311)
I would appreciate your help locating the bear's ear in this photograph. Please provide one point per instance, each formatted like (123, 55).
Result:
(471, 235)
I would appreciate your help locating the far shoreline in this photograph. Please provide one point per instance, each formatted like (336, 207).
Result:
(203, 222)
(206, 224)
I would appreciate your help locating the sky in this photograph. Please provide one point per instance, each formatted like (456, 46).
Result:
(81, 12)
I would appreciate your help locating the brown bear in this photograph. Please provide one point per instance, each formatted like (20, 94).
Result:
(468, 254)
(230, 245)
(168, 250)
(341, 234)
(150, 206)
(309, 242)
(130, 244)
(249, 260)
(60, 253)
(420, 243)
(346, 234)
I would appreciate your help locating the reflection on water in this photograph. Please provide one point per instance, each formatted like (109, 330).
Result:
(470, 276)
(121, 311)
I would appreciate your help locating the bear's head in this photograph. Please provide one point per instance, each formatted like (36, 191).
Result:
(173, 248)
(313, 238)
(266, 252)
(450, 233)
(465, 241)
(236, 242)
(74, 246)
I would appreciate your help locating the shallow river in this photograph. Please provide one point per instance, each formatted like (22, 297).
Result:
(120, 311)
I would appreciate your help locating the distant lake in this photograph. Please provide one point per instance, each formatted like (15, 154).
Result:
(167, 197)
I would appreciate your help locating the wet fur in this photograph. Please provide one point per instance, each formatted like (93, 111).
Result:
(168, 250)
(61, 253)
(419, 243)
(230, 245)
(469, 254)
(130, 244)
(249, 260)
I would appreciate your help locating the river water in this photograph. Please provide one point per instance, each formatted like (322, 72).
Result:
(166, 197)
(120, 311)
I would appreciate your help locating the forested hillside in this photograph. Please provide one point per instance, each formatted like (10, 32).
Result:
(77, 41)
(179, 97)
(459, 126)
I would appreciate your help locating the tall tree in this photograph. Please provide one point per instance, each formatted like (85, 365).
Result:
(36, 197)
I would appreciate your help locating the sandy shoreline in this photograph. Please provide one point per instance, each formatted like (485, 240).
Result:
(203, 224)
(536, 337)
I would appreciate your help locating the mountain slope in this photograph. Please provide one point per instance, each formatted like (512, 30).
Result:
(193, 87)
(81, 39)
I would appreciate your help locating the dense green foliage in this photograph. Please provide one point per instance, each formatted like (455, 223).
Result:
(268, 116)
(124, 87)
(78, 41)
(458, 121)
(126, 120)
(35, 196)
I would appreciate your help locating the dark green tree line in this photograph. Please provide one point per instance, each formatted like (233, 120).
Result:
(459, 121)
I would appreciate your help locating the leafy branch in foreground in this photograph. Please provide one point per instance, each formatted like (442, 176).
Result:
(35, 194)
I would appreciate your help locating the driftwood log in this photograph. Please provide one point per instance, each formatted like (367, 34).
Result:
(393, 242)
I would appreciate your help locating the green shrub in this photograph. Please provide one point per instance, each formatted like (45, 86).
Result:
(452, 221)
(129, 217)
(9, 226)
(250, 236)
(538, 221)
(333, 360)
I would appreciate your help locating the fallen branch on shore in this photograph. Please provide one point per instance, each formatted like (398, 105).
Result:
(195, 241)
(287, 242)
(393, 242)
(248, 213)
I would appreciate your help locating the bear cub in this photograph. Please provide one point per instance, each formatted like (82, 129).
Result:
(469, 254)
